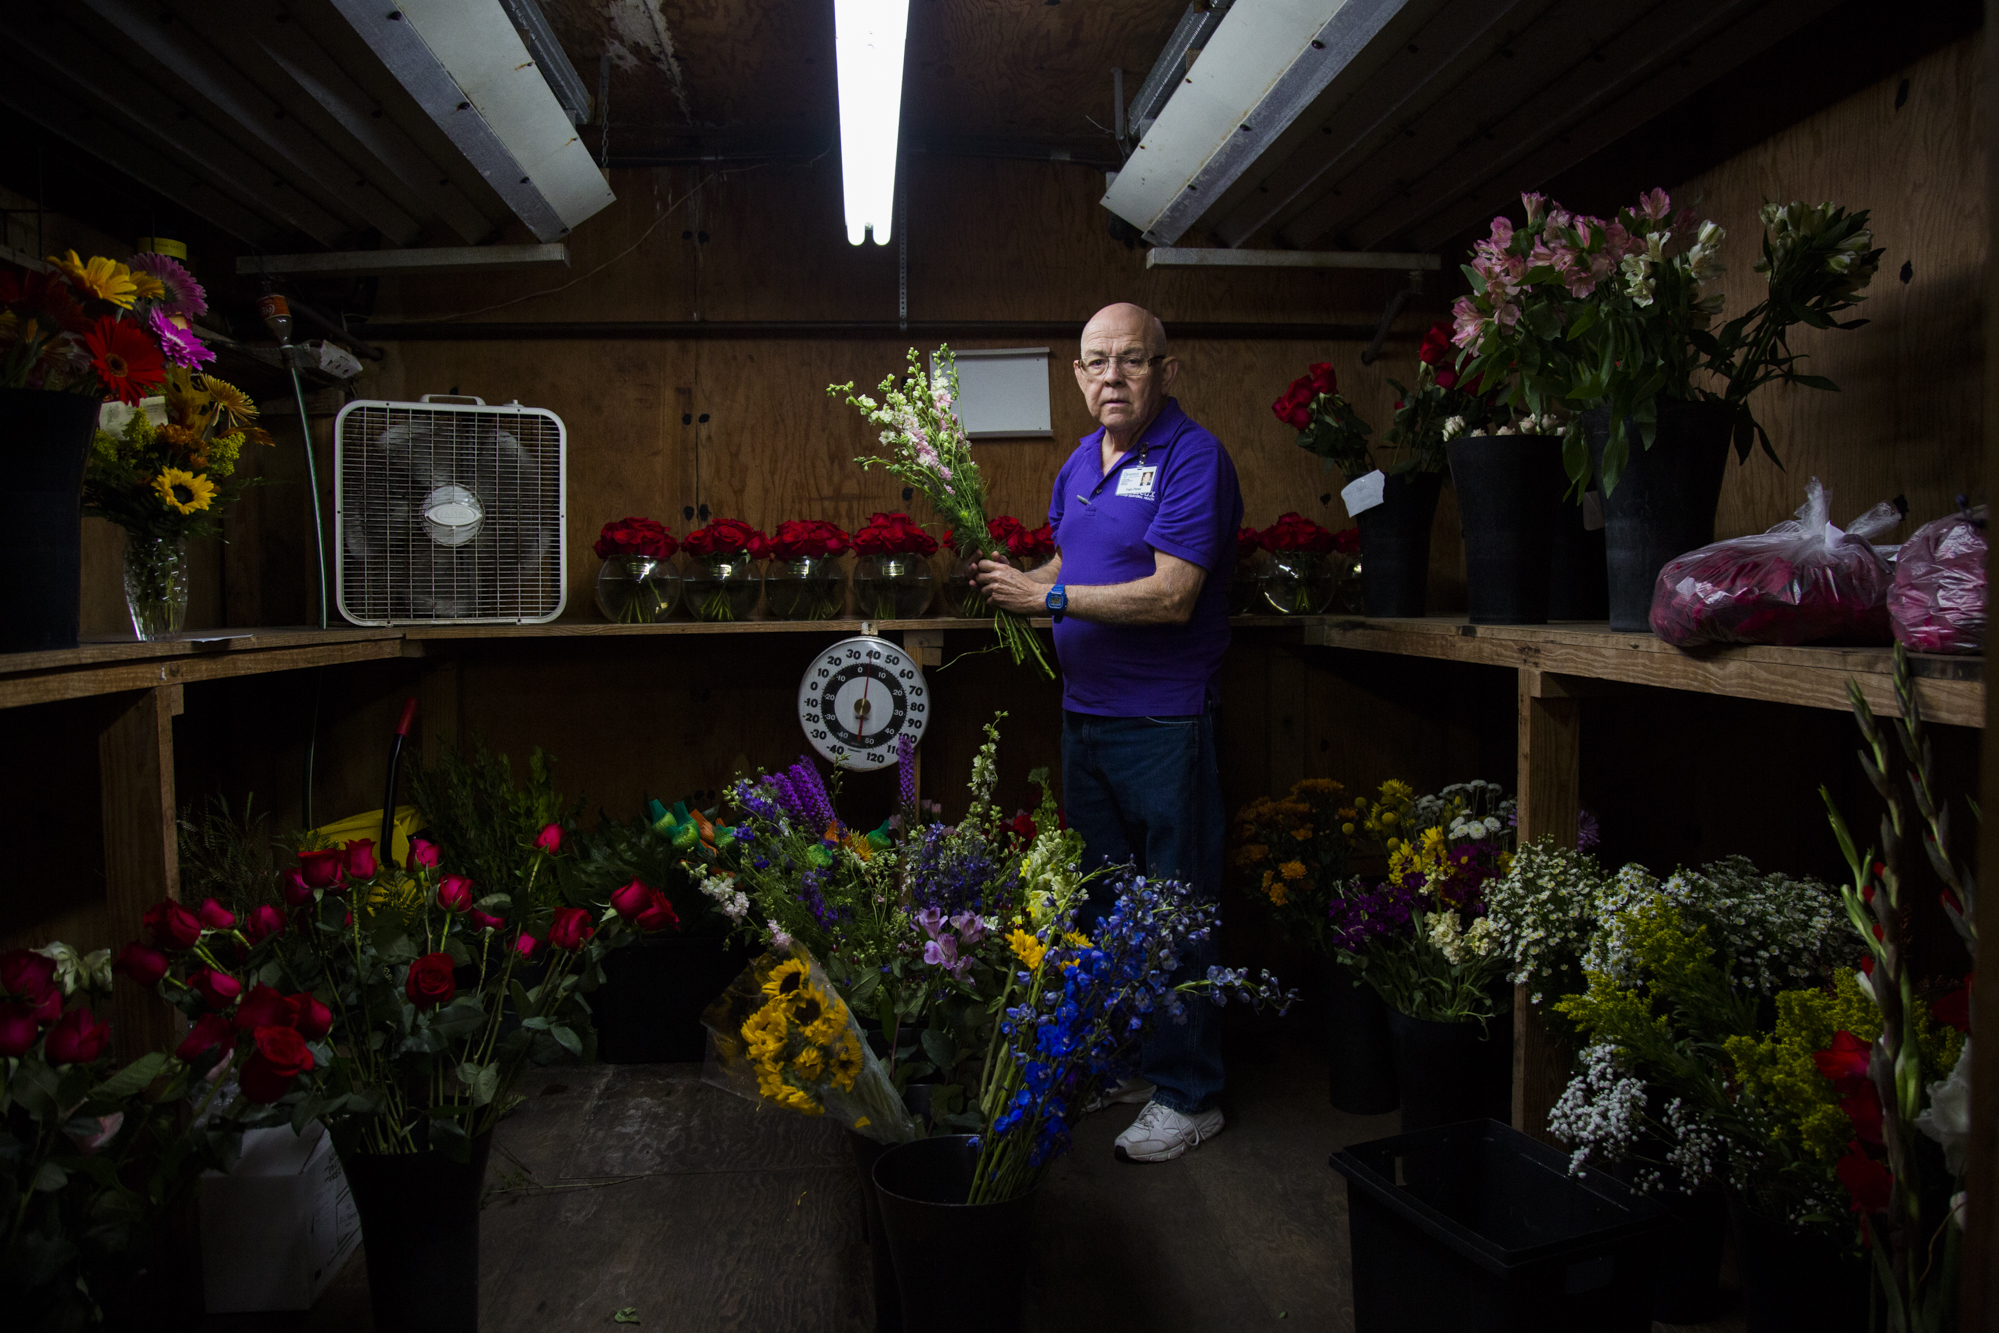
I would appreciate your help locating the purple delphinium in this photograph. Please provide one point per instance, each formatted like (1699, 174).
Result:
(1381, 912)
(952, 871)
(905, 771)
(811, 890)
(814, 806)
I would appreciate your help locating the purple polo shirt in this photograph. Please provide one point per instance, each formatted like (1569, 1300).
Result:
(1105, 537)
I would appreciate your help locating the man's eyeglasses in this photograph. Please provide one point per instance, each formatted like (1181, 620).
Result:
(1134, 365)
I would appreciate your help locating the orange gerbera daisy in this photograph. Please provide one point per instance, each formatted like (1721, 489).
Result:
(125, 359)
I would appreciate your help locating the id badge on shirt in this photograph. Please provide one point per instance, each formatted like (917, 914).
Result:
(1136, 482)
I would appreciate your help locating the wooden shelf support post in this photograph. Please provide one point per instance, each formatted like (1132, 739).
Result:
(135, 753)
(1550, 755)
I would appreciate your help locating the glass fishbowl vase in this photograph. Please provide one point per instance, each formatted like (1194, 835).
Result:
(893, 587)
(637, 589)
(810, 588)
(720, 587)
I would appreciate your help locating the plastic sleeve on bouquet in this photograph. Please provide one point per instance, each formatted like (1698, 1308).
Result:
(781, 1034)
(1938, 601)
(1803, 581)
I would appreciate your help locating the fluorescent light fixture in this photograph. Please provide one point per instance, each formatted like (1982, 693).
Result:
(868, 37)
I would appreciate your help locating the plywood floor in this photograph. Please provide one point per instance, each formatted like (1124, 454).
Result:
(640, 1186)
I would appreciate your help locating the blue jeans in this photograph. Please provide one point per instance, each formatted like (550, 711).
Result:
(1146, 791)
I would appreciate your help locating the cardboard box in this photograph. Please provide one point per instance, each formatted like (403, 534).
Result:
(278, 1228)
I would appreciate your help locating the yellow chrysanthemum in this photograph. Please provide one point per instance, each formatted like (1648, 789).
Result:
(1302, 834)
(238, 407)
(1027, 948)
(1292, 870)
(1279, 895)
(183, 491)
(106, 279)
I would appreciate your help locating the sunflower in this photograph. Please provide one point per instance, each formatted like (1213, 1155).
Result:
(183, 491)
(106, 279)
(785, 978)
(230, 401)
(846, 1064)
(125, 359)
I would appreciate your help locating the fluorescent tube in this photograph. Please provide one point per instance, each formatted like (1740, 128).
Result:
(868, 37)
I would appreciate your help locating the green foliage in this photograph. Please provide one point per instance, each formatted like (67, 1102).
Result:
(484, 823)
(1338, 435)
(224, 855)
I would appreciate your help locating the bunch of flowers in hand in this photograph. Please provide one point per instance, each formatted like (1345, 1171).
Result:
(1618, 312)
(1444, 405)
(1074, 1011)
(929, 451)
(1327, 424)
(97, 1154)
(1291, 855)
(1025, 548)
(1912, 1216)
(99, 327)
(1422, 938)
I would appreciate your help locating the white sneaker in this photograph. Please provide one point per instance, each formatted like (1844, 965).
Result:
(1131, 1092)
(1161, 1133)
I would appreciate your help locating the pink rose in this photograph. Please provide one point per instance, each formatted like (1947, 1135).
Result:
(423, 854)
(549, 839)
(454, 893)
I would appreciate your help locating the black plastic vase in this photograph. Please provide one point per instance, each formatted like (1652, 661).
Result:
(420, 1229)
(1395, 544)
(45, 440)
(933, 1234)
(1360, 1049)
(1450, 1072)
(888, 1298)
(1795, 1281)
(1664, 503)
(1578, 577)
(1509, 492)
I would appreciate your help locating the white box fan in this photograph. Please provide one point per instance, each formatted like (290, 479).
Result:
(448, 512)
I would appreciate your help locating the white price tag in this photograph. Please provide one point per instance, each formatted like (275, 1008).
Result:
(1592, 511)
(1363, 493)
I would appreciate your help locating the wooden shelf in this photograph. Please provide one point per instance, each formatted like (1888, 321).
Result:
(1951, 689)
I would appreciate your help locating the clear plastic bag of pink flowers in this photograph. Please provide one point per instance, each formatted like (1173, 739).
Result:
(1806, 580)
(1938, 602)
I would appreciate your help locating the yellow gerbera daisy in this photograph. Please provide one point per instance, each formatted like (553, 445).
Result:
(231, 401)
(145, 287)
(183, 491)
(106, 279)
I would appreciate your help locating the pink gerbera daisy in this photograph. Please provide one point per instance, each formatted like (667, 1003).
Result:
(185, 296)
(177, 345)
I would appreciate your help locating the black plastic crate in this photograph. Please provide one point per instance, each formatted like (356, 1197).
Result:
(1477, 1228)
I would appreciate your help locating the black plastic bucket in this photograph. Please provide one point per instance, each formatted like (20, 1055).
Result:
(1477, 1228)
(1395, 544)
(1509, 489)
(1796, 1282)
(934, 1235)
(888, 1299)
(1578, 573)
(1664, 503)
(420, 1229)
(1449, 1072)
(1360, 1049)
(45, 439)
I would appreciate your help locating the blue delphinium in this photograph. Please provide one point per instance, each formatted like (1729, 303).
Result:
(953, 870)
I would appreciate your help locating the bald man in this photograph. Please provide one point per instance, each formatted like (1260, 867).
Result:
(1145, 514)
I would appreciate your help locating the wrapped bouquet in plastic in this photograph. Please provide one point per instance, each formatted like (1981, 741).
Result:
(1803, 581)
(781, 1034)
(1938, 602)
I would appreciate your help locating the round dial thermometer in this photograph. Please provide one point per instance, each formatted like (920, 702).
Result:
(859, 698)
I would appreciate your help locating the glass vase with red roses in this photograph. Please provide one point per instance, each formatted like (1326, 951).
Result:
(1297, 581)
(637, 583)
(803, 580)
(892, 579)
(721, 580)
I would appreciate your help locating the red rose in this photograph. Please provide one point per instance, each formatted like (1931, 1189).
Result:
(430, 981)
(1006, 533)
(49, 1008)
(18, 1030)
(25, 973)
(312, 1019)
(454, 894)
(321, 869)
(360, 858)
(629, 901)
(570, 929)
(1865, 1179)
(635, 536)
(1040, 543)
(894, 534)
(215, 916)
(1294, 409)
(1347, 541)
(1320, 373)
(723, 536)
(1248, 541)
(1436, 346)
(658, 914)
(263, 1007)
(172, 926)
(208, 1032)
(1295, 532)
(483, 920)
(1022, 827)
(263, 922)
(423, 854)
(143, 965)
(525, 945)
(805, 540)
(549, 839)
(281, 1057)
(77, 1038)
(218, 990)
(296, 891)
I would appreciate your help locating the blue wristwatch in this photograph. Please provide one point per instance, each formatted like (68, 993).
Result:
(1058, 601)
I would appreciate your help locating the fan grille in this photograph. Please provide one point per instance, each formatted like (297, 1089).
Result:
(448, 514)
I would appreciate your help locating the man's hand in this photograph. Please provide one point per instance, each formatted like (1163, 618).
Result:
(1011, 590)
